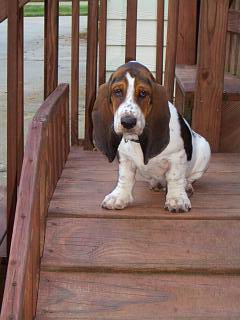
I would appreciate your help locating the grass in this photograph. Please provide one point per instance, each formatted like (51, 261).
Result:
(64, 10)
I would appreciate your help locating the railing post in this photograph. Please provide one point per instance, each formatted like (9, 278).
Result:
(51, 46)
(131, 30)
(102, 42)
(210, 70)
(75, 72)
(91, 74)
(14, 110)
(171, 50)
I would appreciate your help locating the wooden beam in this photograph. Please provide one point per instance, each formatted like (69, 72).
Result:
(91, 74)
(210, 70)
(51, 46)
(131, 30)
(75, 72)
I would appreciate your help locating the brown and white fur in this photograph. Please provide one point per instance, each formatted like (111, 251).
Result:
(132, 116)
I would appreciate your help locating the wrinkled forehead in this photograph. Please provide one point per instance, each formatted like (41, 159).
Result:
(135, 71)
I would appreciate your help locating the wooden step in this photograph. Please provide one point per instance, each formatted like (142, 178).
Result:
(102, 296)
(142, 245)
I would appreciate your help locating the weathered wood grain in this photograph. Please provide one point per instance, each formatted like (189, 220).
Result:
(149, 296)
(209, 87)
(143, 245)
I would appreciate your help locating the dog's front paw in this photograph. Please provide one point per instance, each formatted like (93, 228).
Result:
(116, 201)
(177, 204)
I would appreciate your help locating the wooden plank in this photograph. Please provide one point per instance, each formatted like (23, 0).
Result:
(137, 296)
(12, 113)
(234, 21)
(102, 41)
(171, 51)
(186, 41)
(75, 72)
(142, 245)
(208, 96)
(131, 30)
(51, 46)
(91, 73)
(160, 36)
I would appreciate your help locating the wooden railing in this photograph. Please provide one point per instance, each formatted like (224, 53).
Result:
(45, 154)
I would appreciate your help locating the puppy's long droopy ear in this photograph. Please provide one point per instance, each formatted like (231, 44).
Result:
(155, 136)
(104, 135)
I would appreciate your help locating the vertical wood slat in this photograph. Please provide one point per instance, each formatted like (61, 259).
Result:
(209, 86)
(51, 46)
(12, 112)
(131, 30)
(187, 32)
(43, 192)
(91, 74)
(75, 72)
(36, 240)
(160, 35)
(67, 148)
(28, 290)
(102, 41)
(171, 50)
(20, 114)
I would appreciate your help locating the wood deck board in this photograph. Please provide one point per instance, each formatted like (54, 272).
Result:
(141, 262)
(137, 296)
(154, 245)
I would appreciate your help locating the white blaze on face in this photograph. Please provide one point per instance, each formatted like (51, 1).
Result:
(129, 107)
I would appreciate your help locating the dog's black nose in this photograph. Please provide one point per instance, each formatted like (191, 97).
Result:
(128, 122)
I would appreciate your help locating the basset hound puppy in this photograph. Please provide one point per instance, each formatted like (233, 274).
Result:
(132, 117)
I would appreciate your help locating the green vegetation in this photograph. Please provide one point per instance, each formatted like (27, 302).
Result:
(37, 10)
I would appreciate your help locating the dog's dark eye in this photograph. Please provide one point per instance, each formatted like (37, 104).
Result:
(118, 92)
(142, 94)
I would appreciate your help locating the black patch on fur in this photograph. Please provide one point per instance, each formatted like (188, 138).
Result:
(186, 135)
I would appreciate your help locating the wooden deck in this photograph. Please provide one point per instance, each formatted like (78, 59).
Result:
(141, 262)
